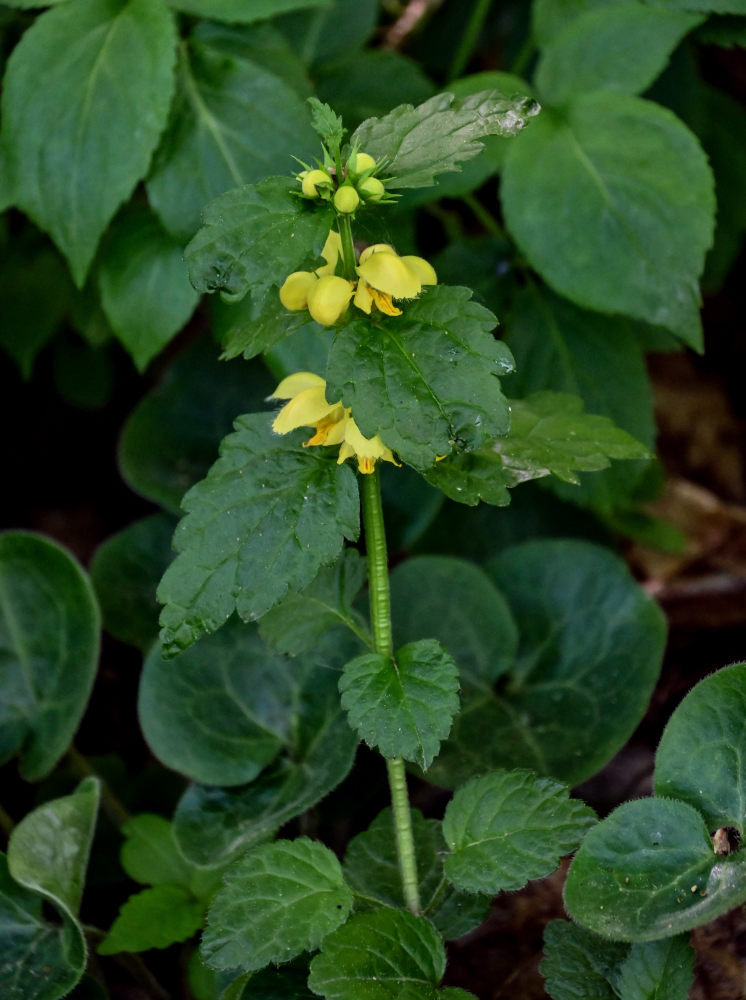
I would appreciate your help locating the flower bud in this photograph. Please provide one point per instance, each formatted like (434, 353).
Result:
(313, 180)
(371, 189)
(328, 299)
(295, 289)
(346, 199)
(358, 163)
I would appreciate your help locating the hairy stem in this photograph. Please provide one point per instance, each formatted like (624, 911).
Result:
(380, 615)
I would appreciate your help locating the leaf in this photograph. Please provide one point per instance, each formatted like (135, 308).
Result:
(233, 122)
(242, 11)
(277, 901)
(326, 124)
(102, 63)
(379, 955)
(253, 237)
(248, 328)
(322, 36)
(509, 827)
(149, 854)
(658, 970)
(580, 965)
(425, 381)
(266, 518)
(648, 871)
(154, 918)
(437, 136)
(708, 6)
(586, 54)
(371, 869)
(145, 290)
(49, 631)
(612, 203)
(402, 705)
(299, 621)
(549, 17)
(701, 758)
(285, 982)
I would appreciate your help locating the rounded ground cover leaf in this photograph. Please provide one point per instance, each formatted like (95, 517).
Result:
(277, 901)
(378, 956)
(701, 758)
(50, 637)
(509, 827)
(612, 202)
(649, 871)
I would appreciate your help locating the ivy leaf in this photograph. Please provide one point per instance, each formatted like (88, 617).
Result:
(420, 143)
(403, 705)
(265, 519)
(154, 918)
(253, 237)
(102, 63)
(379, 956)
(580, 965)
(426, 381)
(509, 827)
(277, 901)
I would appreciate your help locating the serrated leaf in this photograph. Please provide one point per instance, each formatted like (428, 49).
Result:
(701, 758)
(233, 122)
(253, 237)
(402, 705)
(658, 970)
(243, 11)
(580, 965)
(509, 827)
(49, 631)
(379, 956)
(327, 124)
(277, 901)
(298, 622)
(649, 871)
(103, 63)
(419, 143)
(248, 328)
(426, 381)
(612, 202)
(266, 518)
(154, 918)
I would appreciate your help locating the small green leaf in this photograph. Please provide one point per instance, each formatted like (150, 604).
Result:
(102, 63)
(509, 827)
(403, 705)
(425, 381)
(154, 918)
(327, 124)
(380, 956)
(149, 853)
(701, 758)
(658, 970)
(420, 143)
(49, 631)
(649, 871)
(277, 901)
(266, 518)
(580, 965)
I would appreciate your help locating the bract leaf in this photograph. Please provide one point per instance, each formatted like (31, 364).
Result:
(266, 518)
(277, 901)
(102, 63)
(50, 632)
(154, 918)
(437, 136)
(509, 827)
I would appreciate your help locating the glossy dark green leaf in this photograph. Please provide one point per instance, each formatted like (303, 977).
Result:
(145, 290)
(322, 36)
(242, 11)
(403, 705)
(701, 758)
(658, 970)
(248, 328)
(425, 381)
(79, 135)
(277, 901)
(371, 869)
(509, 827)
(233, 122)
(649, 871)
(49, 632)
(612, 202)
(154, 918)
(379, 955)
(580, 965)
(440, 134)
(266, 518)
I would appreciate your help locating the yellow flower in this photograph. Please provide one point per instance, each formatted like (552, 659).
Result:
(295, 289)
(385, 276)
(328, 298)
(307, 407)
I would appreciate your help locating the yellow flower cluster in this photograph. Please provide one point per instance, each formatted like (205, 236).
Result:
(382, 277)
(308, 407)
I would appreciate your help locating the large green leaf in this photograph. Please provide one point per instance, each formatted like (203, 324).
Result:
(49, 635)
(86, 97)
(658, 970)
(509, 827)
(266, 518)
(420, 143)
(324, 36)
(277, 901)
(708, 6)
(248, 328)
(243, 11)
(612, 202)
(580, 965)
(550, 17)
(154, 918)
(233, 122)
(425, 381)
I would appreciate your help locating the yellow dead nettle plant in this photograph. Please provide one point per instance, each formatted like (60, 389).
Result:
(307, 407)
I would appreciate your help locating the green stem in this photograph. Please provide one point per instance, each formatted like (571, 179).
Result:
(487, 219)
(348, 247)
(469, 38)
(380, 615)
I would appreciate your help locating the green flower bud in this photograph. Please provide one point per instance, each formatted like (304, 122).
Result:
(371, 189)
(358, 163)
(328, 299)
(346, 199)
(313, 180)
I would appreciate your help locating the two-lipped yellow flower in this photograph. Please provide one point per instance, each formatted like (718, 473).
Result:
(307, 406)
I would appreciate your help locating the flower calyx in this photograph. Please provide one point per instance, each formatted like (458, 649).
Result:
(347, 186)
